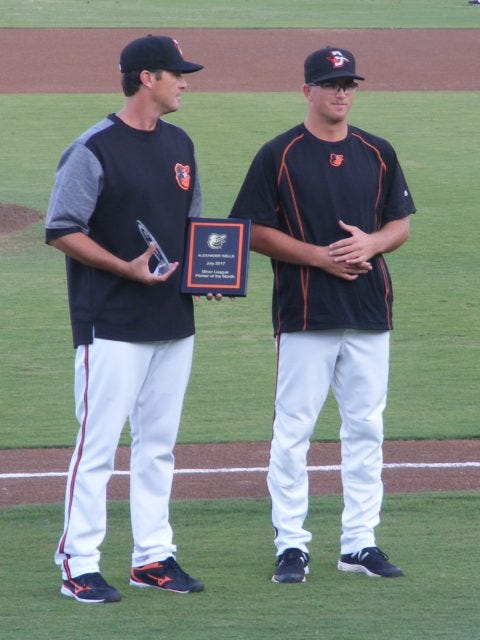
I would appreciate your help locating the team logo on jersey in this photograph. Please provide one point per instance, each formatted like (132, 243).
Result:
(336, 159)
(182, 176)
(216, 240)
(337, 59)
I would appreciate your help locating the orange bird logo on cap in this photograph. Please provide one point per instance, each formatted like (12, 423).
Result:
(337, 59)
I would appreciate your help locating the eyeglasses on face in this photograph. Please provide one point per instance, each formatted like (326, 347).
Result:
(331, 86)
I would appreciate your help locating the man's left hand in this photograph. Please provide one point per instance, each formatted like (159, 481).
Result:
(357, 249)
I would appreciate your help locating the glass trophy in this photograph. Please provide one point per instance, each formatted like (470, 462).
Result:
(163, 265)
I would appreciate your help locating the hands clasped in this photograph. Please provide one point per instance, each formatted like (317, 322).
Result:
(349, 257)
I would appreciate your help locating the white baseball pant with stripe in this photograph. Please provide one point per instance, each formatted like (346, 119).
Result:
(354, 364)
(116, 381)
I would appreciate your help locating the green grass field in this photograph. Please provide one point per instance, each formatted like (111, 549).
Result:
(228, 545)
(309, 14)
(436, 339)
(434, 378)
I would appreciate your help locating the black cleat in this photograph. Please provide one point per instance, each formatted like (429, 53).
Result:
(90, 588)
(166, 575)
(371, 561)
(291, 566)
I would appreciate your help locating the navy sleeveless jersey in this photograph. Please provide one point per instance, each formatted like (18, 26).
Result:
(108, 178)
(303, 186)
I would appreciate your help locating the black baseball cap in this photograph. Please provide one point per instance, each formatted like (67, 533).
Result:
(328, 64)
(155, 52)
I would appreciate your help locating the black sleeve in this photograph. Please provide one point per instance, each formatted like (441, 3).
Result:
(399, 202)
(258, 198)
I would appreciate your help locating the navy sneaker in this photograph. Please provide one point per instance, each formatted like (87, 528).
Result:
(90, 588)
(291, 566)
(166, 575)
(370, 561)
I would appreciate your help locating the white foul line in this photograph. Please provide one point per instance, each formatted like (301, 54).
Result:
(322, 468)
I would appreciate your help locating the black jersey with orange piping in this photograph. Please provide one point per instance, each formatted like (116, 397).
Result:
(303, 186)
(107, 179)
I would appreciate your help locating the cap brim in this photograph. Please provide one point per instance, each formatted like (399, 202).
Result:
(336, 74)
(184, 67)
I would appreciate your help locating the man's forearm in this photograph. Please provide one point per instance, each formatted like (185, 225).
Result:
(392, 235)
(82, 248)
(280, 246)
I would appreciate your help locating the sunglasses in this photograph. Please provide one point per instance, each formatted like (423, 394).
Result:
(331, 86)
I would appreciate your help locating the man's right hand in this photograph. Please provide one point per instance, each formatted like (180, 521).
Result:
(342, 270)
(138, 269)
(81, 247)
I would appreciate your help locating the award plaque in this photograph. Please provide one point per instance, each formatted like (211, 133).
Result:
(216, 256)
(163, 265)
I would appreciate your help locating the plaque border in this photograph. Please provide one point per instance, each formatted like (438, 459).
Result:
(239, 287)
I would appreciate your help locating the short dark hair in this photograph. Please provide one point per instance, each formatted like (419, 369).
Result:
(131, 82)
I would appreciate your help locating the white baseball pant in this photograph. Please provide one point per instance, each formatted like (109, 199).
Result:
(116, 381)
(354, 364)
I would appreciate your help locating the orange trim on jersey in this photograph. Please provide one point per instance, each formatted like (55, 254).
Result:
(284, 170)
(304, 278)
(381, 261)
(383, 269)
(383, 170)
(275, 280)
(304, 271)
(280, 210)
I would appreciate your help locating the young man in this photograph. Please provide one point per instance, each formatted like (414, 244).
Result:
(327, 200)
(132, 328)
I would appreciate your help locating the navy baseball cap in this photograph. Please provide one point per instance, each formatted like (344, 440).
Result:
(155, 52)
(328, 64)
